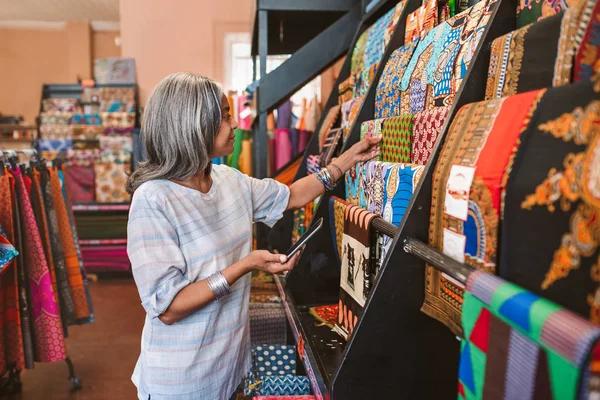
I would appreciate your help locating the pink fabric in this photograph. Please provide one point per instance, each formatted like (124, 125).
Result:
(284, 398)
(47, 325)
(105, 258)
(283, 148)
(81, 184)
(303, 139)
(245, 117)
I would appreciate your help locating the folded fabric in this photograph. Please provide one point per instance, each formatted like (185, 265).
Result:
(372, 128)
(290, 385)
(274, 360)
(83, 158)
(588, 53)
(112, 94)
(421, 21)
(337, 212)
(56, 117)
(59, 105)
(518, 345)
(268, 323)
(346, 90)
(396, 145)
(55, 145)
(56, 131)
(468, 182)
(110, 183)
(375, 45)
(357, 62)
(387, 95)
(357, 276)
(287, 175)
(350, 111)
(87, 132)
(524, 59)
(332, 143)
(117, 120)
(426, 129)
(86, 119)
(116, 149)
(551, 214)
(284, 398)
(355, 191)
(530, 11)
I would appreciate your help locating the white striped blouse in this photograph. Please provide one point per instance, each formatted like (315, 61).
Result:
(176, 236)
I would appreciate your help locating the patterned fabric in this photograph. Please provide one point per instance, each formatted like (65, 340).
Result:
(467, 190)
(110, 183)
(530, 11)
(571, 34)
(290, 385)
(59, 105)
(354, 189)
(274, 360)
(116, 120)
(47, 327)
(83, 158)
(81, 181)
(356, 277)
(588, 53)
(87, 132)
(396, 144)
(86, 119)
(56, 131)
(427, 127)
(357, 63)
(372, 128)
(345, 90)
(82, 308)
(337, 212)
(517, 345)
(421, 21)
(330, 119)
(326, 314)
(375, 45)
(552, 192)
(7, 252)
(283, 146)
(350, 111)
(12, 351)
(523, 60)
(312, 164)
(331, 145)
(284, 398)
(444, 84)
(55, 145)
(117, 150)
(268, 323)
(387, 96)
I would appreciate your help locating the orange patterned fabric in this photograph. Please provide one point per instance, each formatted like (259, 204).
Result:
(12, 339)
(68, 243)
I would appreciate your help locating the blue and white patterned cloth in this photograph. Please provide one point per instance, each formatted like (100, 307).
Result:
(177, 236)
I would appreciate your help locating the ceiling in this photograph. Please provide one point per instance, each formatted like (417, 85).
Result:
(59, 10)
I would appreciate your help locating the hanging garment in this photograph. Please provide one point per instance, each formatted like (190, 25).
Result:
(467, 194)
(517, 345)
(90, 317)
(47, 326)
(82, 308)
(346, 89)
(330, 119)
(552, 205)
(588, 52)
(284, 115)
(82, 184)
(396, 145)
(233, 160)
(421, 21)
(387, 96)
(7, 253)
(524, 59)
(337, 212)
(530, 11)
(571, 35)
(55, 145)
(283, 145)
(426, 129)
(110, 182)
(332, 144)
(67, 306)
(287, 175)
(294, 133)
(372, 128)
(355, 281)
(313, 114)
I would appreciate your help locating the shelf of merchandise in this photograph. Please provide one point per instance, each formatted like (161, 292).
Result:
(395, 349)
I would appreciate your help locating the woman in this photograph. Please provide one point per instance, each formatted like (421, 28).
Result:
(190, 240)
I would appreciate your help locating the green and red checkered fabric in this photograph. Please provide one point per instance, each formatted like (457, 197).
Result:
(396, 145)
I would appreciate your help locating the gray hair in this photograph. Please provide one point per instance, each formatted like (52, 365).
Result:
(181, 120)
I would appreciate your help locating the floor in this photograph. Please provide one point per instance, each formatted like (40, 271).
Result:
(104, 353)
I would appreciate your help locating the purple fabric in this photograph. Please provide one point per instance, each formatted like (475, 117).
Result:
(303, 139)
(284, 115)
(105, 258)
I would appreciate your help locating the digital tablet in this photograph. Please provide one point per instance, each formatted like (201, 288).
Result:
(304, 239)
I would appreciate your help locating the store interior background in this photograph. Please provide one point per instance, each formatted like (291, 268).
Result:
(57, 41)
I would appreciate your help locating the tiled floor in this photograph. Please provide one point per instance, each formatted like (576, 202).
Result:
(104, 353)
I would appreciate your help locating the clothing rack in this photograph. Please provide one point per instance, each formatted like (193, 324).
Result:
(13, 383)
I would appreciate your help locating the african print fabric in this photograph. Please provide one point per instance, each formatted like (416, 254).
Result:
(372, 128)
(467, 191)
(530, 11)
(524, 59)
(396, 144)
(426, 129)
(518, 345)
(588, 53)
(330, 119)
(337, 211)
(552, 203)
(421, 21)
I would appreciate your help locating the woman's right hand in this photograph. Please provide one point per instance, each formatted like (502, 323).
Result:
(274, 263)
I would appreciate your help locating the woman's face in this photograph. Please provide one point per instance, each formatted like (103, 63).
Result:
(226, 136)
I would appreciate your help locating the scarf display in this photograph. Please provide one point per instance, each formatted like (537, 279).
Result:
(524, 59)
(468, 182)
(551, 191)
(421, 21)
(357, 267)
(426, 129)
(47, 326)
(517, 345)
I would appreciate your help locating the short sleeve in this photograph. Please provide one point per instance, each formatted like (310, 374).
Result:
(269, 200)
(156, 260)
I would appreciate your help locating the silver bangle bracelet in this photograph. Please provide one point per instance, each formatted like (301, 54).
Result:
(219, 286)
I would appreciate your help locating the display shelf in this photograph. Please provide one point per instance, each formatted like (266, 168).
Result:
(88, 207)
(100, 242)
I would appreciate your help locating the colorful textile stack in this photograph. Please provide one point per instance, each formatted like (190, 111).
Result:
(421, 21)
(268, 323)
(520, 346)
(467, 192)
(426, 129)
(358, 274)
(551, 203)
(524, 59)
(44, 288)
